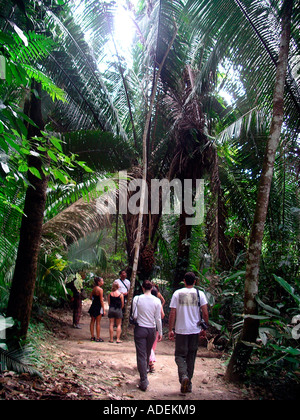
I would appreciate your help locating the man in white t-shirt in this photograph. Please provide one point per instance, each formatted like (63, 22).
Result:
(185, 315)
(146, 310)
(124, 284)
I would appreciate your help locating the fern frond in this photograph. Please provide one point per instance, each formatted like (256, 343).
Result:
(17, 361)
(54, 91)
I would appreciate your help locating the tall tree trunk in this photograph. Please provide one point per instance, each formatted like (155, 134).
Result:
(23, 283)
(218, 242)
(143, 189)
(242, 352)
(183, 253)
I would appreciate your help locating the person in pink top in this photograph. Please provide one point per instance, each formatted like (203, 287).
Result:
(155, 292)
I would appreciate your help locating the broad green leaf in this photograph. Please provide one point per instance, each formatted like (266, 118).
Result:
(23, 167)
(35, 172)
(85, 167)
(287, 287)
(268, 308)
(52, 155)
(60, 175)
(290, 350)
(56, 143)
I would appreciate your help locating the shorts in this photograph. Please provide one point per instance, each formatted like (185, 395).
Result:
(115, 313)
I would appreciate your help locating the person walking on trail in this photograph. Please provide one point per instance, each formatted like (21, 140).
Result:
(185, 315)
(152, 359)
(146, 310)
(97, 308)
(116, 304)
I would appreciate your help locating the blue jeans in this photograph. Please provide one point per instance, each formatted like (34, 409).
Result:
(186, 347)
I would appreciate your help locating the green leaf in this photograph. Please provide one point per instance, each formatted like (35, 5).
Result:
(85, 167)
(234, 276)
(52, 155)
(23, 167)
(3, 144)
(56, 143)
(35, 172)
(290, 350)
(288, 288)
(11, 142)
(60, 175)
(256, 316)
(268, 308)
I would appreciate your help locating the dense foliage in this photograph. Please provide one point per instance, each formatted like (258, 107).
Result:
(95, 99)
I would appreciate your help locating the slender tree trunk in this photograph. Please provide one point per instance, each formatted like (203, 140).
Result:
(242, 352)
(183, 253)
(143, 189)
(23, 283)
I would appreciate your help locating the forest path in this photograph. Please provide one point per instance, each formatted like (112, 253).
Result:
(110, 370)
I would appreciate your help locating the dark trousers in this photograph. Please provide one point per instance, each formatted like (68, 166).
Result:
(77, 309)
(186, 347)
(144, 339)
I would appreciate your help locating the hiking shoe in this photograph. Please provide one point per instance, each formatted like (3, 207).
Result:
(184, 385)
(144, 385)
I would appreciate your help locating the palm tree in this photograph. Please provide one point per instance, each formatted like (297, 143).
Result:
(31, 227)
(242, 351)
(161, 15)
(25, 142)
(175, 62)
(21, 296)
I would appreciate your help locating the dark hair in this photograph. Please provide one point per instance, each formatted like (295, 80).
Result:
(97, 279)
(147, 285)
(121, 271)
(189, 278)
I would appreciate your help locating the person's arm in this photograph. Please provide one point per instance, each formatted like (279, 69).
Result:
(160, 296)
(172, 319)
(134, 309)
(127, 285)
(158, 321)
(204, 309)
(102, 300)
(122, 300)
(108, 300)
(162, 312)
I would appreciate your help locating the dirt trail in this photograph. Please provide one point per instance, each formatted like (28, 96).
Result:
(110, 369)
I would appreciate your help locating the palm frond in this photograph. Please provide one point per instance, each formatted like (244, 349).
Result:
(17, 361)
(87, 252)
(102, 151)
(249, 34)
(11, 203)
(75, 66)
(76, 221)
